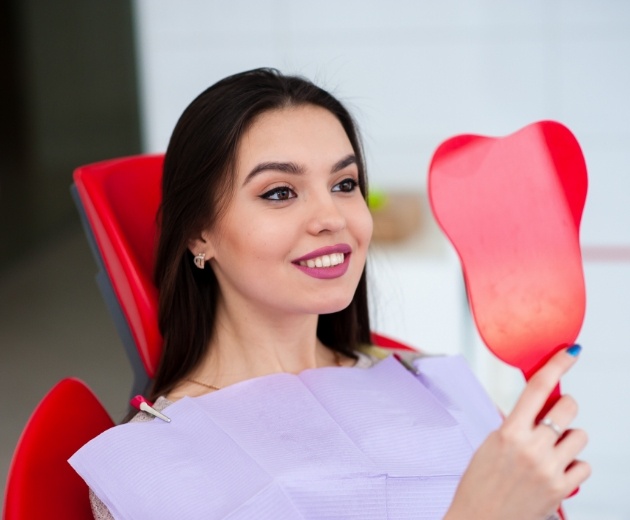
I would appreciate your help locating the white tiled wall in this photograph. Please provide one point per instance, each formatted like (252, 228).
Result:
(416, 72)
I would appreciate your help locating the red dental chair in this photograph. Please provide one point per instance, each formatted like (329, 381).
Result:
(118, 201)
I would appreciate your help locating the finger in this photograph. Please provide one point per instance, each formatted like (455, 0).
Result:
(541, 384)
(576, 474)
(559, 417)
(569, 447)
(549, 427)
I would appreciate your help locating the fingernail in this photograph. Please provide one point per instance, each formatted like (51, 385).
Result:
(574, 350)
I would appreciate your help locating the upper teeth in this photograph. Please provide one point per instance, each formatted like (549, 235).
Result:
(324, 260)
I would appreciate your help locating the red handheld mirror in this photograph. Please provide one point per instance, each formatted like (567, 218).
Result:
(512, 207)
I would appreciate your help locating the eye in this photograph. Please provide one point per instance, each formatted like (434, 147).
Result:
(280, 193)
(346, 185)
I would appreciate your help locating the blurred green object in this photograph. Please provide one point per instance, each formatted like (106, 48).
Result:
(376, 199)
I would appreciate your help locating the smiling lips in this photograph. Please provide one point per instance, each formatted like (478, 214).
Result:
(326, 262)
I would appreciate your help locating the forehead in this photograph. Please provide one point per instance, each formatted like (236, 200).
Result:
(301, 134)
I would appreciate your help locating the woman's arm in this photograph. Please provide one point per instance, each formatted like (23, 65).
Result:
(524, 470)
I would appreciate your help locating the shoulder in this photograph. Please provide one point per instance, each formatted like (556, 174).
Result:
(369, 355)
(99, 510)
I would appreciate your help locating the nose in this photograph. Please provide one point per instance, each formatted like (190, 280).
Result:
(326, 216)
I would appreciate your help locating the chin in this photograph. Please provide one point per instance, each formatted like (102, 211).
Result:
(337, 305)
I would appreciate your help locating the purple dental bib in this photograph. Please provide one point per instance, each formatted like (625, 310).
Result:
(343, 443)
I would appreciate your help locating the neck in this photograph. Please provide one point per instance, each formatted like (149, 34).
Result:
(253, 344)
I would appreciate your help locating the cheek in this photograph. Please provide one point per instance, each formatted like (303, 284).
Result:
(256, 239)
(363, 225)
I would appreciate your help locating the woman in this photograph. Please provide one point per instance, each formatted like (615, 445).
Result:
(260, 266)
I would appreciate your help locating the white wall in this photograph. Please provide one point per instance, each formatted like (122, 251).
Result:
(416, 72)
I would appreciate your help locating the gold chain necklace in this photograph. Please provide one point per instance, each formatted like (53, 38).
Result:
(212, 387)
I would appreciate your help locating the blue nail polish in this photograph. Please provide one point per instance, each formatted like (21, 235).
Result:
(574, 350)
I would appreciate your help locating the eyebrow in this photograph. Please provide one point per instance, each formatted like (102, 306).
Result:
(296, 169)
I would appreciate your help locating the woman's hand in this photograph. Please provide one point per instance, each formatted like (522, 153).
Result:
(524, 470)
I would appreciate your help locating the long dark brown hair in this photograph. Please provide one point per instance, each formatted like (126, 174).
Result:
(196, 188)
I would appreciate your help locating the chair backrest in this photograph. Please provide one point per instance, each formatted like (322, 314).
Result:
(119, 200)
(41, 483)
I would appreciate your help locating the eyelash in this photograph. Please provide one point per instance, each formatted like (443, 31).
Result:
(280, 189)
(276, 191)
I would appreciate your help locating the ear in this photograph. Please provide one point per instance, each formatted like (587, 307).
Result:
(202, 245)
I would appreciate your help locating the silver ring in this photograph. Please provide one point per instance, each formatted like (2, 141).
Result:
(554, 427)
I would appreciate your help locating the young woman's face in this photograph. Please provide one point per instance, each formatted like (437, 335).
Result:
(295, 234)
